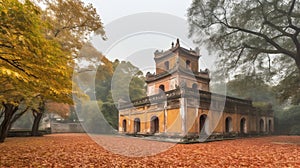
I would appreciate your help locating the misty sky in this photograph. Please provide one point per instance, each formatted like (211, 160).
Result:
(134, 35)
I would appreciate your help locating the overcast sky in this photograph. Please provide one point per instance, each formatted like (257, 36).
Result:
(110, 10)
(133, 38)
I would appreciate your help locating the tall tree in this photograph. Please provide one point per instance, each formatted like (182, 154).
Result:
(103, 80)
(71, 23)
(31, 64)
(126, 73)
(261, 35)
(122, 79)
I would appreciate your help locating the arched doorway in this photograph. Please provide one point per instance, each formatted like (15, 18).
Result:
(137, 125)
(228, 124)
(202, 120)
(243, 126)
(261, 125)
(124, 125)
(154, 126)
(270, 126)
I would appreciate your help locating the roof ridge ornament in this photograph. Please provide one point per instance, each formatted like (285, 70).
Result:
(177, 43)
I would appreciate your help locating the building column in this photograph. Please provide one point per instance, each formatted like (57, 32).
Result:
(165, 115)
(183, 115)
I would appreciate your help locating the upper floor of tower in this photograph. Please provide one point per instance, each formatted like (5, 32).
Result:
(177, 57)
(176, 67)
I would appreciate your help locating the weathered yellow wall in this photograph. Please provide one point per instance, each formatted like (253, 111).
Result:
(192, 120)
(174, 121)
(145, 121)
(217, 121)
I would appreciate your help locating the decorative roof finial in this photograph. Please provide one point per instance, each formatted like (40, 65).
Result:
(177, 42)
(172, 44)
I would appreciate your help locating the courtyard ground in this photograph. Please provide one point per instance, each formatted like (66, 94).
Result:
(80, 150)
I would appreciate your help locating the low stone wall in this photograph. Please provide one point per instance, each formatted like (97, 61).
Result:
(66, 128)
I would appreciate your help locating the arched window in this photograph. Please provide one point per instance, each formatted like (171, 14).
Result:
(154, 125)
(228, 124)
(202, 124)
(124, 125)
(167, 66)
(161, 88)
(137, 125)
(188, 64)
(261, 125)
(243, 126)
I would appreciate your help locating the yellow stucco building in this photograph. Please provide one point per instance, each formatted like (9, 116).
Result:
(179, 103)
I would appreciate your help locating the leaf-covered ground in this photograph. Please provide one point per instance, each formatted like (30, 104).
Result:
(79, 150)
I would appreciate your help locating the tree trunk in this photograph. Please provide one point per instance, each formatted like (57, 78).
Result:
(8, 114)
(1, 113)
(37, 114)
(17, 116)
(36, 123)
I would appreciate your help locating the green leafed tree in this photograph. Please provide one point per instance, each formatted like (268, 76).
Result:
(288, 120)
(251, 87)
(251, 35)
(289, 88)
(117, 81)
(128, 82)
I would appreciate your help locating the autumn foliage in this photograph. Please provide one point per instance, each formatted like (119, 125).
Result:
(62, 109)
(78, 150)
(38, 48)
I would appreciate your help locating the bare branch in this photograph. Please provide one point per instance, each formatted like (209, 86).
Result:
(277, 28)
(289, 15)
(6, 46)
(270, 41)
(17, 116)
(278, 36)
(239, 56)
(34, 112)
(262, 50)
(17, 66)
(291, 8)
